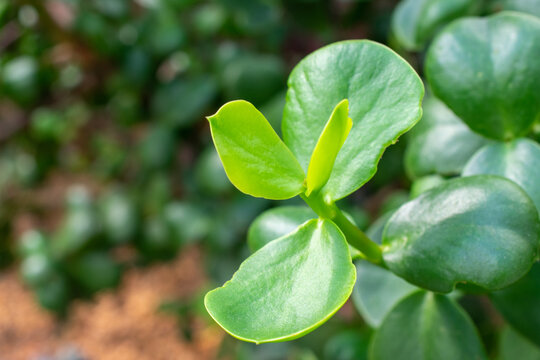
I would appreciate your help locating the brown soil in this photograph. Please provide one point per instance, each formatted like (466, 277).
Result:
(120, 325)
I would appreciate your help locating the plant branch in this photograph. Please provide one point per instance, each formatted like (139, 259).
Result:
(355, 237)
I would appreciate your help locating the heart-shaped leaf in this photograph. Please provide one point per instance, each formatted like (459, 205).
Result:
(275, 223)
(327, 148)
(513, 346)
(441, 143)
(518, 161)
(414, 22)
(481, 230)
(486, 70)
(288, 288)
(427, 326)
(519, 304)
(384, 96)
(255, 159)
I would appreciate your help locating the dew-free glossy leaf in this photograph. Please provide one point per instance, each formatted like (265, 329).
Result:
(440, 143)
(275, 223)
(518, 161)
(255, 159)
(327, 148)
(519, 304)
(414, 22)
(486, 70)
(427, 326)
(288, 288)
(481, 230)
(513, 346)
(384, 96)
(377, 290)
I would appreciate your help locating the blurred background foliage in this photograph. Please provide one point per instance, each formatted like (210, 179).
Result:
(106, 162)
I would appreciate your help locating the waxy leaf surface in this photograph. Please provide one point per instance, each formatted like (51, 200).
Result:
(414, 22)
(427, 326)
(255, 159)
(275, 223)
(481, 230)
(440, 143)
(330, 142)
(384, 96)
(287, 288)
(518, 161)
(486, 70)
(519, 304)
(377, 290)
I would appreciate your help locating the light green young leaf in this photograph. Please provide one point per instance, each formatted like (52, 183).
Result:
(486, 70)
(427, 326)
(481, 230)
(255, 159)
(330, 142)
(288, 288)
(518, 161)
(384, 96)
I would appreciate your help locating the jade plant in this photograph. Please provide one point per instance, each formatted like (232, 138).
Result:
(479, 232)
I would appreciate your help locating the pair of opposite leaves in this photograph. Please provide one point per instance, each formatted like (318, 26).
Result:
(275, 295)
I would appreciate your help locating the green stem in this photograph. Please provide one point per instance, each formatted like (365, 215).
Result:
(355, 236)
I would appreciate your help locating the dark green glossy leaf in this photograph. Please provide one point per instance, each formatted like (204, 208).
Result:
(441, 143)
(481, 230)
(486, 71)
(384, 96)
(327, 148)
(519, 304)
(255, 159)
(427, 326)
(513, 346)
(275, 223)
(518, 161)
(377, 291)
(414, 22)
(288, 288)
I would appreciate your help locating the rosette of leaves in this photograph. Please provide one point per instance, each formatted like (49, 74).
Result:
(476, 240)
(345, 104)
